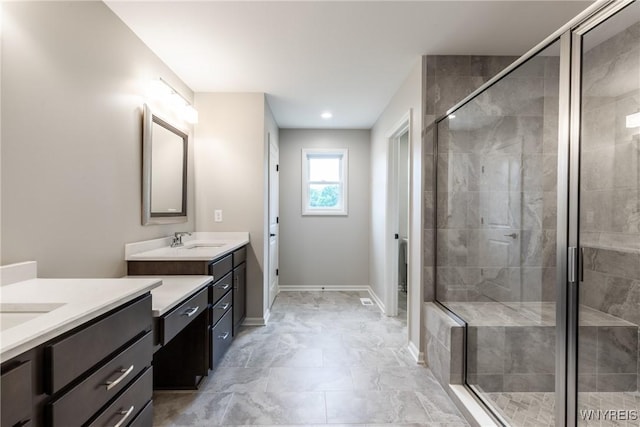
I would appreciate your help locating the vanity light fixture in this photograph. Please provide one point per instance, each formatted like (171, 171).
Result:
(326, 115)
(164, 92)
(633, 120)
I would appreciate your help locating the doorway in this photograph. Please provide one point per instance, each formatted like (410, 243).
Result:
(397, 262)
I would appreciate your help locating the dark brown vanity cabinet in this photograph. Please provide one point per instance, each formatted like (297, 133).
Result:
(181, 359)
(16, 385)
(222, 308)
(97, 374)
(226, 310)
(239, 288)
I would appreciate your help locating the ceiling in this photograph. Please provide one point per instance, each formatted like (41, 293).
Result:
(345, 57)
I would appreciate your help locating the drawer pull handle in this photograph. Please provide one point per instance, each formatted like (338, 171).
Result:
(224, 287)
(224, 336)
(125, 372)
(125, 416)
(224, 306)
(190, 312)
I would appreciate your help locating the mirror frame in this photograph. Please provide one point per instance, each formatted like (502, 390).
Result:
(148, 216)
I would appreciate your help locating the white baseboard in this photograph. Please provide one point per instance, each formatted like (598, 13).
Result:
(417, 355)
(289, 288)
(257, 321)
(329, 288)
(377, 300)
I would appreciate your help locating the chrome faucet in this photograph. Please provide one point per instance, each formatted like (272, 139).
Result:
(177, 238)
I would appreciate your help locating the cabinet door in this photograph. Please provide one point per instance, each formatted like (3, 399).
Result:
(16, 395)
(239, 295)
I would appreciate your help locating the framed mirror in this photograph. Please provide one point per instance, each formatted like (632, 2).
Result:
(164, 171)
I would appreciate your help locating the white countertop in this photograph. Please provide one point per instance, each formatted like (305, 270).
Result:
(71, 302)
(200, 246)
(174, 290)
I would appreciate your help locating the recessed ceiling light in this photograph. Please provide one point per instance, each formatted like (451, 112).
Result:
(326, 115)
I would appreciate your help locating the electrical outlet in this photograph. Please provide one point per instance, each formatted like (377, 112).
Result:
(217, 215)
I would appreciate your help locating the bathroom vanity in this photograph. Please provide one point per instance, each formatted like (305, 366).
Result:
(215, 263)
(76, 352)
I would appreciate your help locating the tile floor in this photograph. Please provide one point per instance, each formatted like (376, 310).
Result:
(324, 358)
(537, 409)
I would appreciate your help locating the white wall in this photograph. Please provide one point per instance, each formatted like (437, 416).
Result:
(317, 251)
(73, 84)
(408, 96)
(230, 175)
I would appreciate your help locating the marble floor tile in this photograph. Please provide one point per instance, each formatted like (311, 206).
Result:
(324, 358)
(189, 409)
(309, 379)
(275, 408)
(439, 407)
(392, 378)
(287, 358)
(374, 407)
(231, 379)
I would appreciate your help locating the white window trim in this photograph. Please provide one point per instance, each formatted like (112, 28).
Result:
(343, 208)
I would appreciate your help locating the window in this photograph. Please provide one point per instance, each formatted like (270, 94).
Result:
(324, 181)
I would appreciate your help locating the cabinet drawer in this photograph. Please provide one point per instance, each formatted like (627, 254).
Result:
(70, 357)
(221, 267)
(85, 399)
(144, 418)
(221, 308)
(221, 337)
(221, 287)
(128, 404)
(174, 321)
(15, 385)
(239, 256)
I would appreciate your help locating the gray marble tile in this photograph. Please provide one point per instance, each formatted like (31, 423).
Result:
(232, 379)
(360, 357)
(486, 349)
(276, 408)
(286, 358)
(439, 407)
(531, 350)
(310, 340)
(309, 379)
(529, 382)
(617, 382)
(391, 378)
(375, 407)
(489, 66)
(189, 409)
(617, 350)
(452, 65)
(615, 263)
(487, 383)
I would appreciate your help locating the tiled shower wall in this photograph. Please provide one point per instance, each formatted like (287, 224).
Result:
(610, 209)
(497, 190)
(447, 80)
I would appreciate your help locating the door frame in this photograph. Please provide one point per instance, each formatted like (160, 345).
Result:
(404, 125)
(275, 259)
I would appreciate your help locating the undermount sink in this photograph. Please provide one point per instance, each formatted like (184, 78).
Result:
(203, 245)
(14, 314)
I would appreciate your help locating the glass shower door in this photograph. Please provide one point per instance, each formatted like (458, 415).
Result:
(609, 223)
(496, 237)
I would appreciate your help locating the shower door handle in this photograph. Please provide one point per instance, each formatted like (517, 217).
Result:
(512, 235)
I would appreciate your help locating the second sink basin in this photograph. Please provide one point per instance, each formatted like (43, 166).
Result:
(14, 314)
(203, 245)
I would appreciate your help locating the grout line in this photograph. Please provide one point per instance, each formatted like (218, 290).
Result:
(224, 413)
